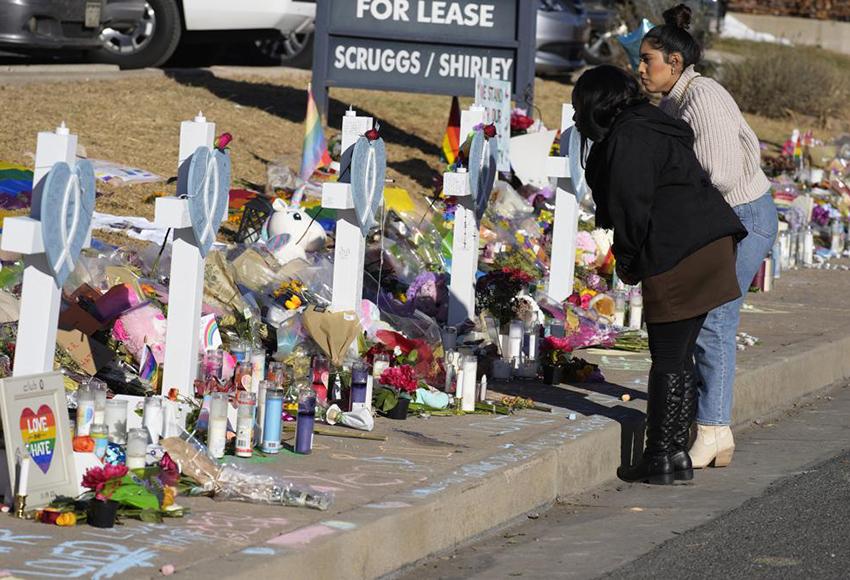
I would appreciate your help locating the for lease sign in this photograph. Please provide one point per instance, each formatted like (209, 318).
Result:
(429, 46)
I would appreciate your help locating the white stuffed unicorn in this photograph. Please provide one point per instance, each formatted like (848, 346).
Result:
(292, 233)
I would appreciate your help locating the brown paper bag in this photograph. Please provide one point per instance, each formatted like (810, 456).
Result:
(333, 331)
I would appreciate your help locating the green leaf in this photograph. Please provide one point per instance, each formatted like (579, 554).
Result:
(136, 496)
(386, 399)
(413, 356)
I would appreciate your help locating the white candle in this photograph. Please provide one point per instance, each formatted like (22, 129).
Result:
(470, 369)
(459, 385)
(217, 436)
(259, 362)
(369, 386)
(482, 389)
(152, 419)
(515, 340)
(23, 480)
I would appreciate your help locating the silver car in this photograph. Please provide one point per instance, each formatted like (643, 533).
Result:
(563, 30)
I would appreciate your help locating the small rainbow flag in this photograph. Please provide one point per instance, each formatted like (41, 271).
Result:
(451, 140)
(147, 366)
(315, 153)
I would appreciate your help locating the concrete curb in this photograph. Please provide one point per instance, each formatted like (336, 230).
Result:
(485, 495)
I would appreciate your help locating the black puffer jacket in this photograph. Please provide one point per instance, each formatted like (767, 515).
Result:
(649, 187)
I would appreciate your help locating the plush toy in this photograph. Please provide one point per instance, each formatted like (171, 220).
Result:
(292, 233)
(143, 325)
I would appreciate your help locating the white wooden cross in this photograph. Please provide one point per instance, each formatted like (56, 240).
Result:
(40, 294)
(186, 288)
(565, 226)
(465, 239)
(350, 248)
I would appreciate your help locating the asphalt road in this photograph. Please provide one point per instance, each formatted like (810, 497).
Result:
(781, 510)
(797, 529)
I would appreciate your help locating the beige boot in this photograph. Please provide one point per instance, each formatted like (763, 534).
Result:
(714, 444)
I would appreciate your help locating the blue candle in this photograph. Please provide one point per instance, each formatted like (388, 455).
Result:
(306, 419)
(272, 420)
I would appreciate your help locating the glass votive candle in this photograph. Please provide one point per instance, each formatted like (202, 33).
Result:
(99, 389)
(116, 420)
(100, 435)
(152, 418)
(359, 378)
(217, 432)
(137, 447)
(380, 363)
(85, 409)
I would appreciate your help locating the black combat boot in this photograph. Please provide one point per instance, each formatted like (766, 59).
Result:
(662, 419)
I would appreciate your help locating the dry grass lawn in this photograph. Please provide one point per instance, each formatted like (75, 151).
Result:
(135, 121)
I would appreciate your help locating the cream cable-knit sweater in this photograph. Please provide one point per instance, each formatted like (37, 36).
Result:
(725, 145)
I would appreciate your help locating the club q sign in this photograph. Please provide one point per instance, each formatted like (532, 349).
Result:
(424, 46)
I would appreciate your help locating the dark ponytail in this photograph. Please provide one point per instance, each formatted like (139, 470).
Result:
(673, 36)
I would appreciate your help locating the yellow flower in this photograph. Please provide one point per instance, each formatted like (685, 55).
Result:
(293, 303)
(168, 494)
(67, 519)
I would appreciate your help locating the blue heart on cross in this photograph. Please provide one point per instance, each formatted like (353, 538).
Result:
(67, 204)
(368, 169)
(208, 190)
(482, 169)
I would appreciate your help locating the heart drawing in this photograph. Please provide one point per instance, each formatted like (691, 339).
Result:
(38, 431)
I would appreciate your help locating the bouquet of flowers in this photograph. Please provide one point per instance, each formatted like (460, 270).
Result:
(497, 292)
(556, 351)
(396, 382)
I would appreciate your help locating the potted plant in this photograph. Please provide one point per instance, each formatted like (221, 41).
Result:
(147, 496)
(397, 384)
(104, 482)
(556, 352)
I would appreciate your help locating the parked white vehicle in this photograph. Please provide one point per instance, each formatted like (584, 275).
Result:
(280, 29)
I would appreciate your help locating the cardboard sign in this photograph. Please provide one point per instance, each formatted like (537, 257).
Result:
(495, 96)
(89, 354)
(35, 422)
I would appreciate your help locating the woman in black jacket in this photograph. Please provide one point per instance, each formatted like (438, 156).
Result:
(673, 232)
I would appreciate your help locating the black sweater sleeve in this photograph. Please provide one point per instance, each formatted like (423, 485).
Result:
(632, 179)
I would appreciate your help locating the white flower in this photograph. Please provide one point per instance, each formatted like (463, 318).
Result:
(397, 351)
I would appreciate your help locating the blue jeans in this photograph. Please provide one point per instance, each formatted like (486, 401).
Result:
(716, 349)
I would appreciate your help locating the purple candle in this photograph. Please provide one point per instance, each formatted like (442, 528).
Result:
(306, 419)
(359, 376)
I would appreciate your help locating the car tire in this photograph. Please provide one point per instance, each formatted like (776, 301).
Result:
(149, 44)
(275, 52)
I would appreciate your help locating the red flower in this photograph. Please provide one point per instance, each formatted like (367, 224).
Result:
(520, 122)
(169, 472)
(402, 378)
(96, 478)
(490, 131)
(551, 343)
(372, 135)
(222, 141)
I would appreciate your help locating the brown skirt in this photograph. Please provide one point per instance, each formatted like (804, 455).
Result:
(699, 283)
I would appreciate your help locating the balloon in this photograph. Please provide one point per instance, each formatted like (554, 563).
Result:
(631, 41)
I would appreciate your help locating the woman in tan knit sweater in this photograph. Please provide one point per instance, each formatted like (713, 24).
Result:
(729, 151)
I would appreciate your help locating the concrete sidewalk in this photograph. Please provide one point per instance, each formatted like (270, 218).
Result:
(438, 482)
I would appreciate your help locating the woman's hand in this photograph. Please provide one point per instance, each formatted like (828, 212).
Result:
(626, 277)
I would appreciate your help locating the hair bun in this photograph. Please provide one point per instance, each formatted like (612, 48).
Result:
(678, 16)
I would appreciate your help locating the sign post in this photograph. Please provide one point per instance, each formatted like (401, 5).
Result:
(565, 227)
(427, 46)
(203, 183)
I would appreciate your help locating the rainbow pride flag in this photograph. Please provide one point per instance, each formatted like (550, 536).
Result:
(315, 153)
(451, 140)
(147, 366)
